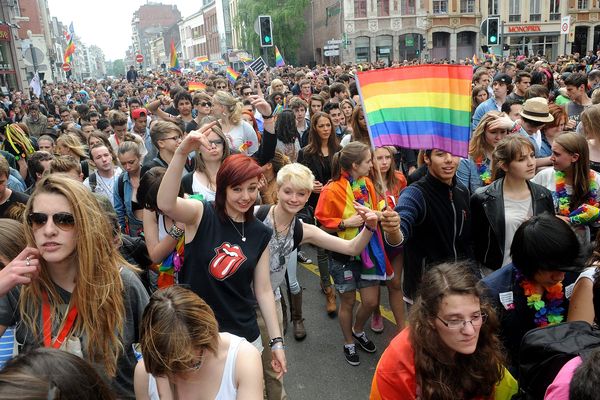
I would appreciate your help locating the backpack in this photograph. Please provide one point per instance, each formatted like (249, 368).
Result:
(93, 181)
(262, 213)
(544, 351)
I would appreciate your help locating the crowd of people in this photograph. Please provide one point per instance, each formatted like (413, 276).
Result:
(155, 233)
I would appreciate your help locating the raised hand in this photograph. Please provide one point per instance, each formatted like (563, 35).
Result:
(20, 271)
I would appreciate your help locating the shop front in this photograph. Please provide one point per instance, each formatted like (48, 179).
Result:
(362, 48)
(383, 49)
(8, 74)
(533, 40)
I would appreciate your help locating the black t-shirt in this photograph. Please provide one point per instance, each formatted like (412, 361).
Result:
(191, 126)
(15, 197)
(219, 267)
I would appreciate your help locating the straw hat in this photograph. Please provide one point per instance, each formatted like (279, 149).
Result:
(536, 109)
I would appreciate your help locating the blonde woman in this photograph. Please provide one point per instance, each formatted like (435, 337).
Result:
(86, 299)
(70, 145)
(476, 171)
(241, 134)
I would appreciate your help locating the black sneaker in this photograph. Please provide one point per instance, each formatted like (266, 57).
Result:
(351, 355)
(364, 342)
(303, 259)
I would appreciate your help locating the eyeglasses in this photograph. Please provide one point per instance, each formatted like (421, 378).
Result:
(217, 142)
(205, 104)
(175, 138)
(64, 221)
(456, 324)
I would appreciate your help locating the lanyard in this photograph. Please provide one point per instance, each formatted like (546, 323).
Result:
(47, 320)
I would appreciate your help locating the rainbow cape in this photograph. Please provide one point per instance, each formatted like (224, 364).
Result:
(193, 85)
(419, 107)
(231, 74)
(278, 58)
(174, 63)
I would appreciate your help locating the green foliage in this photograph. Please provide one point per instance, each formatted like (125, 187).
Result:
(287, 21)
(118, 68)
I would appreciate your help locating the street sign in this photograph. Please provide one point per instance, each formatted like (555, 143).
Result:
(331, 53)
(66, 67)
(139, 58)
(334, 41)
(331, 47)
(565, 25)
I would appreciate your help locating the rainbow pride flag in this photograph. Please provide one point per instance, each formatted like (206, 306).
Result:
(278, 58)
(419, 107)
(231, 74)
(174, 63)
(70, 49)
(193, 86)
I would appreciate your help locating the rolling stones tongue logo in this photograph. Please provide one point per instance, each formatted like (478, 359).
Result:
(227, 260)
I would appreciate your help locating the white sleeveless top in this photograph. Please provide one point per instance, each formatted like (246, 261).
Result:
(228, 390)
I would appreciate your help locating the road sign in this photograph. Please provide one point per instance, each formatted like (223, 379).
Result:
(331, 47)
(331, 53)
(334, 41)
(565, 25)
(66, 67)
(139, 58)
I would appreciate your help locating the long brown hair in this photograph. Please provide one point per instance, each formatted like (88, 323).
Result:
(389, 181)
(478, 146)
(314, 141)
(352, 153)
(358, 133)
(98, 292)
(575, 143)
(508, 150)
(440, 376)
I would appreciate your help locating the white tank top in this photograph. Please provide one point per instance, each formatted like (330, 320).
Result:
(228, 390)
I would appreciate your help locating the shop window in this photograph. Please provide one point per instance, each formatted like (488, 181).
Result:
(534, 10)
(467, 6)
(493, 7)
(360, 8)
(440, 6)
(407, 7)
(554, 10)
(514, 11)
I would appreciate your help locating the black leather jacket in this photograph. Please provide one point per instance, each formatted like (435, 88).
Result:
(488, 226)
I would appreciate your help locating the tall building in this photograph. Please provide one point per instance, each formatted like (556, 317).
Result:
(585, 19)
(10, 73)
(149, 22)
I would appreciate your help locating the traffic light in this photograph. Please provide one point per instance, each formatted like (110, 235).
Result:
(266, 32)
(492, 31)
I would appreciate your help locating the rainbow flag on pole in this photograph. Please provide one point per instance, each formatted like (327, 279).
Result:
(419, 107)
(278, 58)
(231, 74)
(174, 64)
(70, 50)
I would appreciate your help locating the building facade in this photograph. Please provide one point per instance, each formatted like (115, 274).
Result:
(585, 20)
(149, 22)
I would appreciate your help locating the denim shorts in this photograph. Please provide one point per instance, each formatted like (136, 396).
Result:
(346, 276)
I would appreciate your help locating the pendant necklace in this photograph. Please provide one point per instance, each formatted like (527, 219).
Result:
(281, 248)
(236, 229)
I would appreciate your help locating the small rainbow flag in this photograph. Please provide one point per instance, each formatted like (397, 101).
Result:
(201, 59)
(231, 74)
(419, 107)
(475, 59)
(193, 86)
(174, 64)
(278, 58)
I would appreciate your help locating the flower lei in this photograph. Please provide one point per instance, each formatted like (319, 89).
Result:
(483, 169)
(359, 188)
(548, 311)
(564, 203)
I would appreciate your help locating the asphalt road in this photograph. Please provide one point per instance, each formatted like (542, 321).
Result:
(317, 368)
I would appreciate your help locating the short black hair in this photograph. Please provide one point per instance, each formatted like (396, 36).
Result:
(509, 103)
(577, 79)
(330, 106)
(182, 95)
(545, 242)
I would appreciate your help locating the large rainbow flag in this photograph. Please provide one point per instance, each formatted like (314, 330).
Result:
(278, 58)
(232, 75)
(174, 63)
(419, 107)
(70, 50)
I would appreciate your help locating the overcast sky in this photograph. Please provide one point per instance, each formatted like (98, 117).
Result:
(107, 23)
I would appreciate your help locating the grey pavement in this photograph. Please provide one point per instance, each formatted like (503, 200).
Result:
(317, 368)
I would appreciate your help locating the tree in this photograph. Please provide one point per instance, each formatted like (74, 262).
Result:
(119, 68)
(287, 21)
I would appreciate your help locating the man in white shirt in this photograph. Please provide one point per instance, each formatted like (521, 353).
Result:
(104, 180)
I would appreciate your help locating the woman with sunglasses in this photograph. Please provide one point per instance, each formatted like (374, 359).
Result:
(202, 102)
(61, 308)
(449, 349)
(226, 252)
(241, 134)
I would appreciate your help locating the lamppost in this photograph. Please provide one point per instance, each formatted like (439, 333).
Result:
(32, 49)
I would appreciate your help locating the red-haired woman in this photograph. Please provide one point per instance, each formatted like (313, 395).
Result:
(226, 251)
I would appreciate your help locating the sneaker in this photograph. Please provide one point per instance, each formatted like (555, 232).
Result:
(351, 355)
(364, 342)
(377, 323)
(303, 259)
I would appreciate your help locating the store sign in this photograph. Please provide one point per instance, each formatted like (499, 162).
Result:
(525, 28)
(4, 33)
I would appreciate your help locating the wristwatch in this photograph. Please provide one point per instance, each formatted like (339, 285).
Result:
(276, 340)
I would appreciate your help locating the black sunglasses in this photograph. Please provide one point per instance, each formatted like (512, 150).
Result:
(205, 104)
(64, 221)
(247, 93)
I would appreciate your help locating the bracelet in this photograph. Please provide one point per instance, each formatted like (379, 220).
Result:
(175, 232)
(278, 347)
(341, 226)
(371, 229)
(385, 238)
(276, 340)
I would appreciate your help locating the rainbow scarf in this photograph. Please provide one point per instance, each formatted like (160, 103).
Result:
(376, 265)
(171, 265)
(483, 169)
(587, 212)
(419, 107)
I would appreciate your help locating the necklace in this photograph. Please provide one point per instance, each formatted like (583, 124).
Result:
(281, 244)
(483, 170)
(564, 202)
(236, 229)
(548, 311)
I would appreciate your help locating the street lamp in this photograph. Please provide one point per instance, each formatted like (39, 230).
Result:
(31, 48)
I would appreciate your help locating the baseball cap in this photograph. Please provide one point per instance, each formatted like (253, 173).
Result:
(503, 78)
(135, 114)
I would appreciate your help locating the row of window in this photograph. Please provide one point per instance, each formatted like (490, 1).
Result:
(407, 7)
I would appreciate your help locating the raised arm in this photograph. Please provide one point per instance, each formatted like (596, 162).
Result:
(154, 108)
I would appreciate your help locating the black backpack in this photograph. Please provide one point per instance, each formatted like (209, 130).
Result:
(544, 351)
